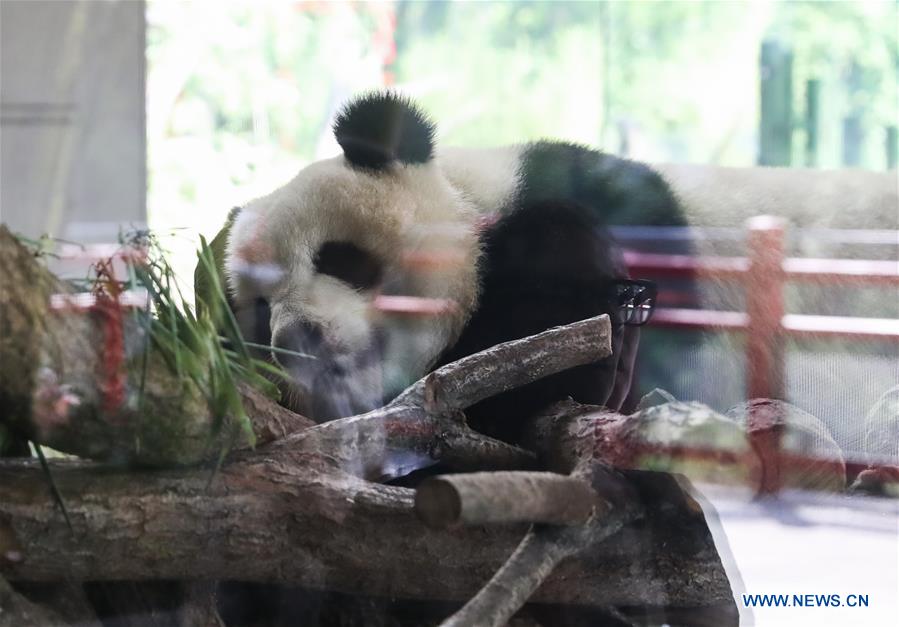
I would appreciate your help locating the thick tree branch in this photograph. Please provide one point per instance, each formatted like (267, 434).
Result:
(313, 526)
(513, 364)
(424, 425)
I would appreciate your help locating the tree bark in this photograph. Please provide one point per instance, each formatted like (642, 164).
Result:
(301, 508)
(504, 497)
(18, 611)
(269, 521)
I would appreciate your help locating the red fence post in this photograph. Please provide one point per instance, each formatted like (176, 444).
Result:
(765, 307)
(764, 343)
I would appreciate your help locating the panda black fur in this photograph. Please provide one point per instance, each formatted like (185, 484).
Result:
(320, 250)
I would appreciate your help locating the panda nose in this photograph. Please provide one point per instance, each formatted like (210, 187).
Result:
(295, 340)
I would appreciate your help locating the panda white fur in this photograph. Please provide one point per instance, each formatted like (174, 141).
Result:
(512, 240)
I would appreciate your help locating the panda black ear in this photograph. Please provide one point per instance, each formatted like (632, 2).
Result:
(379, 128)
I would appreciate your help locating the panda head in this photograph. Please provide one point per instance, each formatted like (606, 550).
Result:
(318, 253)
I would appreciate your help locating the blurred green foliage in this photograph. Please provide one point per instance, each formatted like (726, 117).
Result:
(240, 95)
(679, 79)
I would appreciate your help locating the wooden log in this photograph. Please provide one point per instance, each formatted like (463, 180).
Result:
(271, 521)
(505, 497)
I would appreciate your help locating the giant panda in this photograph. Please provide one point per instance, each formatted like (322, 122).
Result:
(502, 242)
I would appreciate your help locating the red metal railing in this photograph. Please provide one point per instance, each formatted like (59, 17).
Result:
(764, 274)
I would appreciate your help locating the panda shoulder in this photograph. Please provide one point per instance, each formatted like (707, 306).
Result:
(622, 190)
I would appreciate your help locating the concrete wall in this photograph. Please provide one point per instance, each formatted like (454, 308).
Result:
(72, 133)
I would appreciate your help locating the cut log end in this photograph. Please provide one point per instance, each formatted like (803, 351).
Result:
(505, 497)
(437, 503)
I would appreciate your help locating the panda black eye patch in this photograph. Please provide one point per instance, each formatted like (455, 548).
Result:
(349, 263)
